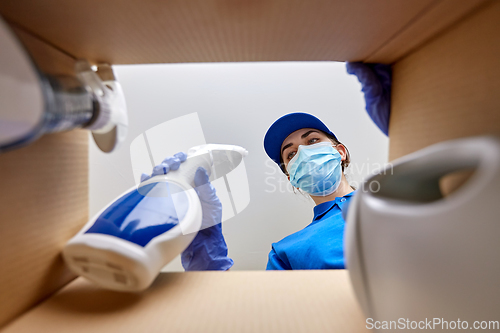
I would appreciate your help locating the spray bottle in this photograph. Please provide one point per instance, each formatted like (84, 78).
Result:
(125, 245)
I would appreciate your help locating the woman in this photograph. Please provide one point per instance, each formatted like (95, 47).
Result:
(314, 162)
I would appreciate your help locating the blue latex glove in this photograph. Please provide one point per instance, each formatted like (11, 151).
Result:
(376, 82)
(208, 250)
(170, 163)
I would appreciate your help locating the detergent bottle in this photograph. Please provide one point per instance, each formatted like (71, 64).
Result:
(125, 245)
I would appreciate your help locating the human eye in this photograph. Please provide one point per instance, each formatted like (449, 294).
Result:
(313, 140)
(290, 155)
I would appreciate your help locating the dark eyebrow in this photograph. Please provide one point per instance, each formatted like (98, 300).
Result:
(303, 136)
(285, 147)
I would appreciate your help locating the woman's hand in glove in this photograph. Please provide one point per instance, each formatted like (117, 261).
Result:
(208, 251)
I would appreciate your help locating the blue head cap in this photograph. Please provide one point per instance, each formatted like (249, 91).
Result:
(285, 126)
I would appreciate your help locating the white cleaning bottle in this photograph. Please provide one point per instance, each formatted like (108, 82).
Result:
(125, 246)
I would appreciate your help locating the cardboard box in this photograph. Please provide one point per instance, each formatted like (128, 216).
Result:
(446, 79)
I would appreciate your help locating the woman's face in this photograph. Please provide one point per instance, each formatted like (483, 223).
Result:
(305, 137)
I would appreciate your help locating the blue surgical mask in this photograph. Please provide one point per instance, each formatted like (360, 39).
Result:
(316, 169)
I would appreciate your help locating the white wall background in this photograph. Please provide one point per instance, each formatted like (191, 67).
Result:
(236, 103)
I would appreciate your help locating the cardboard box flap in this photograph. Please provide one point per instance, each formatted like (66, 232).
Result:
(448, 88)
(137, 31)
(436, 18)
(253, 301)
(44, 202)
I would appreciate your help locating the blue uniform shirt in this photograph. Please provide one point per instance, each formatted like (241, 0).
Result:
(320, 245)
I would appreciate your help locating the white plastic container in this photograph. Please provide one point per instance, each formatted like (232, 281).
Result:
(416, 255)
(126, 244)
(33, 103)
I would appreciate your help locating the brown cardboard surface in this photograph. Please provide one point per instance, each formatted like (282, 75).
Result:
(253, 301)
(448, 88)
(453, 181)
(139, 31)
(437, 16)
(47, 58)
(43, 203)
